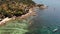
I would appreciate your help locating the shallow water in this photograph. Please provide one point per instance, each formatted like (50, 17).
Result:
(47, 20)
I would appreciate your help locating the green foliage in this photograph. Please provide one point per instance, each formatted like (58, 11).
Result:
(9, 8)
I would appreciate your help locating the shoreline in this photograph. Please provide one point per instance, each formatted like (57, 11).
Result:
(31, 12)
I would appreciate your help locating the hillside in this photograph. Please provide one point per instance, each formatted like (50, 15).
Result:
(9, 8)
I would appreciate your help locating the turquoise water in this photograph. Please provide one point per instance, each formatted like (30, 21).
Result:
(47, 20)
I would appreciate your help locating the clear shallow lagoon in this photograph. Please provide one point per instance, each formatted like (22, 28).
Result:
(47, 20)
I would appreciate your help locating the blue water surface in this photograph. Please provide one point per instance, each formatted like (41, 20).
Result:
(47, 20)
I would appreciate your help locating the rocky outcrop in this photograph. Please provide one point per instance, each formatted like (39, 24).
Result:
(42, 6)
(5, 20)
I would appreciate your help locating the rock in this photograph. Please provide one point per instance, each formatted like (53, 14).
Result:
(5, 20)
(0, 19)
(42, 6)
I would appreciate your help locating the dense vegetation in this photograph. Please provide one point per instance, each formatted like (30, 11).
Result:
(9, 8)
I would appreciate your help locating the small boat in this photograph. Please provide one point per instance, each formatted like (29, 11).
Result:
(55, 30)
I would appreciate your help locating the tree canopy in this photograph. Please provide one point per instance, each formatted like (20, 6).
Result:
(9, 8)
